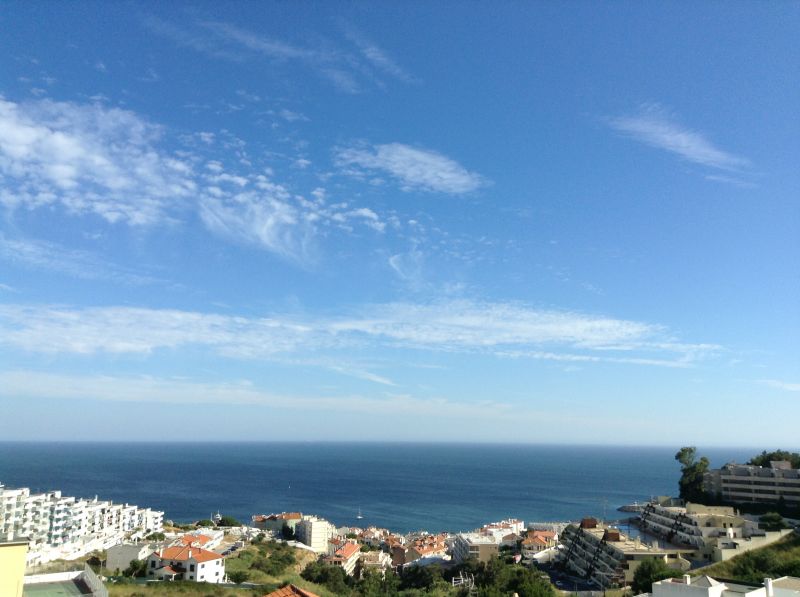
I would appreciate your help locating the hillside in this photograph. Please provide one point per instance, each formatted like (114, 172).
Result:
(782, 558)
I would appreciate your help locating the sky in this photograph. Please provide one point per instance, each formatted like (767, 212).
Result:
(418, 221)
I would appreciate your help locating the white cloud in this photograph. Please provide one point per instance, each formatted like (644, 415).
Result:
(90, 159)
(655, 127)
(414, 168)
(503, 329)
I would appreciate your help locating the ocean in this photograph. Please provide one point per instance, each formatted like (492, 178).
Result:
(405, 487)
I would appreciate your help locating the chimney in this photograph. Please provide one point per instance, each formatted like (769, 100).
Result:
(768, 587)
(687, 580)
(190, 553)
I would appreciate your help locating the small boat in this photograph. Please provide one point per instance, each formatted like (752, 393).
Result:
(634, 507)
(359, 516)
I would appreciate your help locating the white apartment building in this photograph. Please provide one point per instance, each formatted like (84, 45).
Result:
(315, 532)
(60, 527)
(755, 484)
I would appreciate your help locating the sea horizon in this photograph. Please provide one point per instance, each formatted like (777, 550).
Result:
(404, 486)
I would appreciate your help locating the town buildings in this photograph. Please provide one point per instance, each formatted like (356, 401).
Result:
(606, 557)
(61, 527)
(184, 562)
(744, 483)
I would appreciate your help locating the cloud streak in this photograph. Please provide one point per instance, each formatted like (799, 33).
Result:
(655, 127)
(414, 168)
(36, 385)
(502, 329)
(70, 262)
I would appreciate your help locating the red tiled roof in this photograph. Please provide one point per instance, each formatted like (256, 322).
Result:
(189, 539)
(347, 550)
(291, 591)
(181, 554)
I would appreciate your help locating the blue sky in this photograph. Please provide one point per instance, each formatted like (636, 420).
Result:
(412, 221)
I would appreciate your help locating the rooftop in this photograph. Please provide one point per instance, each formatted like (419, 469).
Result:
(65, 588)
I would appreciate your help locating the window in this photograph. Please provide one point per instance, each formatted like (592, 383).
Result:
(152, 563)
(191, 567)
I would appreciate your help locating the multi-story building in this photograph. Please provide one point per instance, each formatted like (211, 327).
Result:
(745, 483)
(314, 532)
(712, 533)
(63, 527)
(474, 546)
(606, 557)
(184, 562)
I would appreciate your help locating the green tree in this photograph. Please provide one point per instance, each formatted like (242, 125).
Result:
(204, 523)
(691, 482)
(156, 537)
(765, 458)
(287, 532)
(333, 578)
(651, 571)
(136, 569)
(772, 521)
(238, 576)
(228, 521)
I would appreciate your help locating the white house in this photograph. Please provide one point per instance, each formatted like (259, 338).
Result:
(184, 562)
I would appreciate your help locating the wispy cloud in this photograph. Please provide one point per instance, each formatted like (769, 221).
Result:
(267, 46)
(376, 55)
(503, 329)
(70, 262)
(781, 385)
(35, 384)
(654, 126)
(412, 167)
(348, 71)
(92, 159)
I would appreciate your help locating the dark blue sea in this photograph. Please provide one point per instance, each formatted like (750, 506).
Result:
(401, 486)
